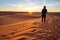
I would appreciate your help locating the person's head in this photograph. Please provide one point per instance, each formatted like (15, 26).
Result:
(44, 7)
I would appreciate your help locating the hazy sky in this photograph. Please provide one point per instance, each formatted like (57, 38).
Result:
(29, 5)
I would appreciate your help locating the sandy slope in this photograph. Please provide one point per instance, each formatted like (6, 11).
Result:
(9, 19)
(32, 29)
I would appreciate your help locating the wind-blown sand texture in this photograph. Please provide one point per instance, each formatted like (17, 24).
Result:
(31, 28)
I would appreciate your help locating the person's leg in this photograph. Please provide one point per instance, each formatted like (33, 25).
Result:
(44, 18)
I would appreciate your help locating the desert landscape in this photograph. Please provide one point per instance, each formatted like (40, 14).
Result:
(23, 26)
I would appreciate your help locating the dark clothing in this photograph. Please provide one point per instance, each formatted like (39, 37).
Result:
(43, 18)
(44, 11)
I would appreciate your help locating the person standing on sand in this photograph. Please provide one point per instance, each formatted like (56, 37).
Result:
(44, 11)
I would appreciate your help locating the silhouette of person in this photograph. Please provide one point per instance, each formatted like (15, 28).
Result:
(44, 11)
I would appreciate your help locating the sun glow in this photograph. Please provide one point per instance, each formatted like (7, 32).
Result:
(30, 10)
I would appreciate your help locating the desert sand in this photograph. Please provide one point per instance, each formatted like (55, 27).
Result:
(25, 27)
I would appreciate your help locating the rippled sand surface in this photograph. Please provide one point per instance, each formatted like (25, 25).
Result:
(32, 30)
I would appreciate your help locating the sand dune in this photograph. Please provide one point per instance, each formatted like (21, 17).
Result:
(32, 29)
(10, 19)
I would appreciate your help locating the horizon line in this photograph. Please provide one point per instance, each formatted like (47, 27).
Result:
(22, 11)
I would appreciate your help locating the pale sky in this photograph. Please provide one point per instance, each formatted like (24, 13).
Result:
(29, 5)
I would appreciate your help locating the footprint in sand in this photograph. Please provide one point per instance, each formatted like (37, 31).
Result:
(22, 39)
(12, 33)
